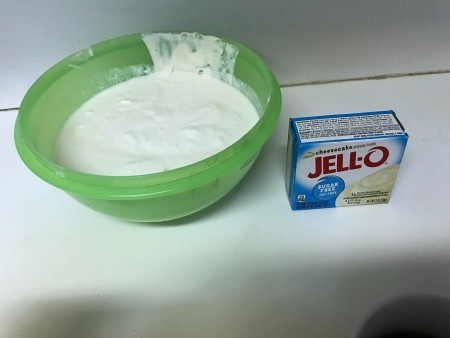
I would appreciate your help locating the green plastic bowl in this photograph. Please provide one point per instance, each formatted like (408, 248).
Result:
(144, 198)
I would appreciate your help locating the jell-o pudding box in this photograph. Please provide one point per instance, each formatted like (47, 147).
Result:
(344, 159)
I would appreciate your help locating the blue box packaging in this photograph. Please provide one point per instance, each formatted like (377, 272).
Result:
(343, 160)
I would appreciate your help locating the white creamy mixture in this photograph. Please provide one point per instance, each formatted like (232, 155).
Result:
(381, 181)
(180, 114)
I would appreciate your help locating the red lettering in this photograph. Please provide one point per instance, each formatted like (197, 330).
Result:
(336, 163)
(340, 163)
(318, 172)
(384, 156)
(328, 164)
(354, 161)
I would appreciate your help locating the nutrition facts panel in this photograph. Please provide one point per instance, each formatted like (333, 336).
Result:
(348, 126)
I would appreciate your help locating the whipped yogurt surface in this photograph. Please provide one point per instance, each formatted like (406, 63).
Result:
(184, 111)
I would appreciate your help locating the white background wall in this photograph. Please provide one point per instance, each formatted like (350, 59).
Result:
(302, 41)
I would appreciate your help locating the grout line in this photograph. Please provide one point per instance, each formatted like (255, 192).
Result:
(8, 109)
(354, 79)
(367, 78)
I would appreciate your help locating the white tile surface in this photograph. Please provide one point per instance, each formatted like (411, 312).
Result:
(247, 266)
(300, 40)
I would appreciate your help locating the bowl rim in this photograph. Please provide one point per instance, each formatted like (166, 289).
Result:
(147, 185)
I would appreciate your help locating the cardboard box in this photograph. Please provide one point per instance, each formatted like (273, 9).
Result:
(343, 160)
